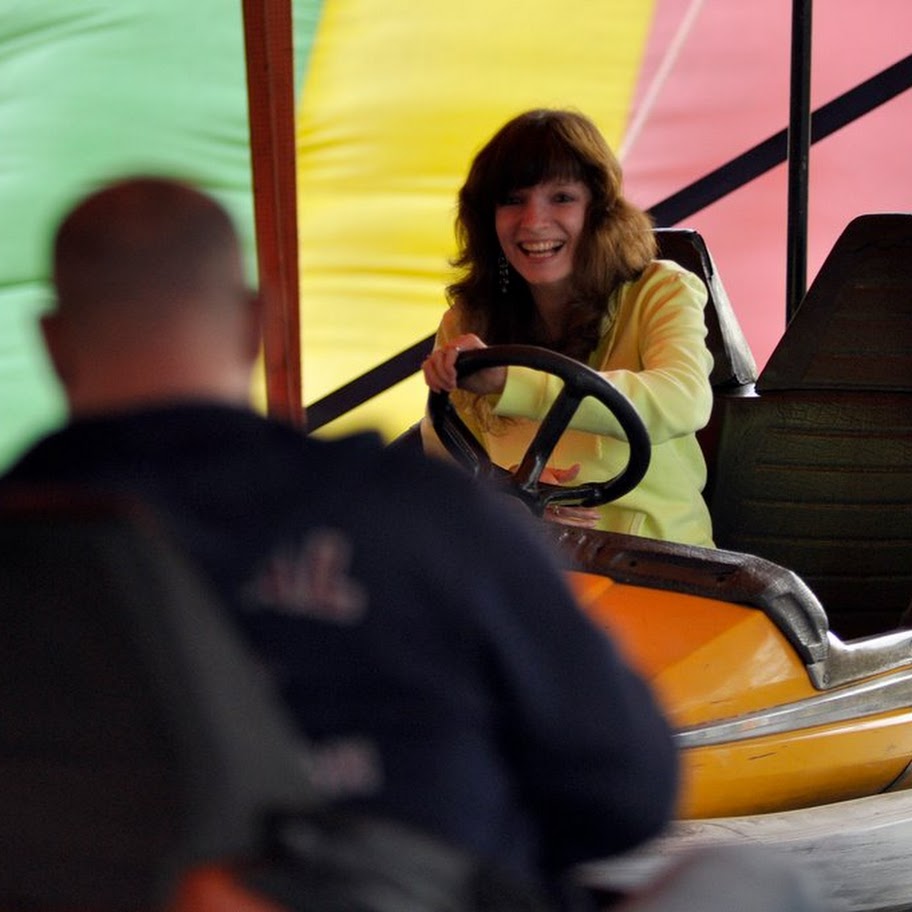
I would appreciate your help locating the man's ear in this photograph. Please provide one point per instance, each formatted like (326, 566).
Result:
(254, 328)
(54, 343)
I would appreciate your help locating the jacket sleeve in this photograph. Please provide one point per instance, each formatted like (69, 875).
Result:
(667, 372)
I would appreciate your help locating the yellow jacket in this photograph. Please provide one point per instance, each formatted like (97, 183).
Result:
(653, 350)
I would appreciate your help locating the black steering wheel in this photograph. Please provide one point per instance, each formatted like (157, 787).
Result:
(580, 381)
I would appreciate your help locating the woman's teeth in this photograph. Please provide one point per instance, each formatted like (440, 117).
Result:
(540, 248)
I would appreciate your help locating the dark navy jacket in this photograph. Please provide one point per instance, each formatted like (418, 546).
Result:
(419, 631)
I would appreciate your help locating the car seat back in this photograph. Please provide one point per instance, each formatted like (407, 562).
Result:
(733, 362)
(734, 369)
(815, 471)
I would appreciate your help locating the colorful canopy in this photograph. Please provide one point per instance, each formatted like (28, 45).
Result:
(393, 100)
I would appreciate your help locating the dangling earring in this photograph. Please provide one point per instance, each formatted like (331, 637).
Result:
(503, 274)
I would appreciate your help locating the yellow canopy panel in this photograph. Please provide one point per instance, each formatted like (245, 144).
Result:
(395, 102)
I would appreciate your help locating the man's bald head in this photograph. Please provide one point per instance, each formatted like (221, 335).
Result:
(151, 298)
(145, 239)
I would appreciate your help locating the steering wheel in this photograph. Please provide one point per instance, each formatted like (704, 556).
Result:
(580, 381)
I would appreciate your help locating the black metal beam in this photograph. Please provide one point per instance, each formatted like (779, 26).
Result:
(799, 145)
(773, 151)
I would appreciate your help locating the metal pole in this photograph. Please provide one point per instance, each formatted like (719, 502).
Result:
(799, 143)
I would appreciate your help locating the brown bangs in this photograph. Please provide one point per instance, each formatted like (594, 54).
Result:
(531, 153)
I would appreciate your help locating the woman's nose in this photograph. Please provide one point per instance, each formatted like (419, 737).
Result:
(532, 213)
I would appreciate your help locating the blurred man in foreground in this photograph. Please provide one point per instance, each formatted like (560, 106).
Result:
(419, 633)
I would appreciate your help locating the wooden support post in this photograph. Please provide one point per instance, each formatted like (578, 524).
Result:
(271, 109)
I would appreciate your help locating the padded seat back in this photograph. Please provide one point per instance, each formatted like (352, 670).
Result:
(815, 472)
(733, 362)
(137, 738)
(734, 369)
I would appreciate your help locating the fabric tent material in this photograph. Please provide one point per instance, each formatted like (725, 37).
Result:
(394, 99)
(99, 90)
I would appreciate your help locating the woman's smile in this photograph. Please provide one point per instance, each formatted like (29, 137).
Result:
(537, 249)
(538, 228)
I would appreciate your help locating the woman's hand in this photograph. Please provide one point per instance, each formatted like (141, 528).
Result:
(582, 517)
(439, 369)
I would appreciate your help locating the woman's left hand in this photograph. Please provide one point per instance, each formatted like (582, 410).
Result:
(439, 369)
(583, 517)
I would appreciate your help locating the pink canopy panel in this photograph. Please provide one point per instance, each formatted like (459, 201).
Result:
(715, 81)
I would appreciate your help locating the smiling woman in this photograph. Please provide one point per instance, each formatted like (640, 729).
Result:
(553, 254)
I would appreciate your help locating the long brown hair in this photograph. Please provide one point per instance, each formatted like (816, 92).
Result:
(616, 245)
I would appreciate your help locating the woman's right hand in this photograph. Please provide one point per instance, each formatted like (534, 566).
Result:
(439, 369)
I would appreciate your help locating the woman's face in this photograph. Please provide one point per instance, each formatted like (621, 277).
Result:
(539, 228)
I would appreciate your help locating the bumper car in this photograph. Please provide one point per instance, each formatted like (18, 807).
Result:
(782, 658)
